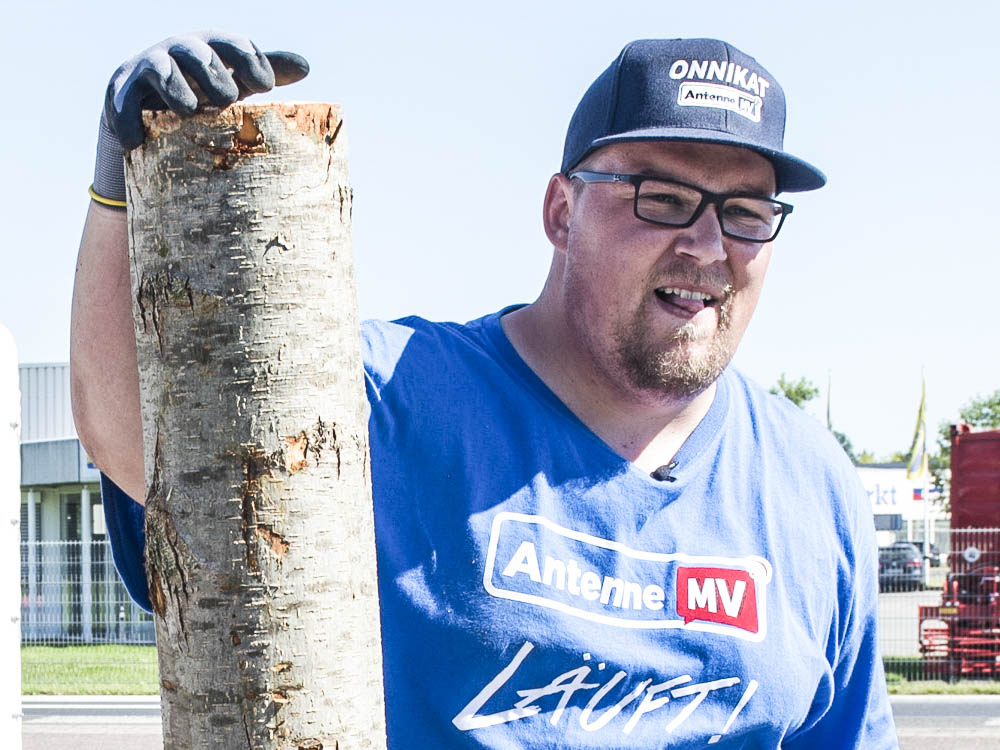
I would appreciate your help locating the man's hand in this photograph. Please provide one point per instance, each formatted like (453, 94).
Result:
(183, 72)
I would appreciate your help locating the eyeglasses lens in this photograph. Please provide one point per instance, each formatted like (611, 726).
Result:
(672, 204)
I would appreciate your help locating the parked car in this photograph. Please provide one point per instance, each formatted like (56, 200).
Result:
(934, 555)
(900, 566)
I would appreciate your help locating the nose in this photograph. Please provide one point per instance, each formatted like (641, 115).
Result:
(703, 241)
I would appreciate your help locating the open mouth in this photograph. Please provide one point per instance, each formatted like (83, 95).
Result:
(685, 302)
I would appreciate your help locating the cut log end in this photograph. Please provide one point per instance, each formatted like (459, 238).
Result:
(318, 119)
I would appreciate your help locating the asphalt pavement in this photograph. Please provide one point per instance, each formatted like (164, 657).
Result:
(968, 722)
(898, 620)
(85, 722)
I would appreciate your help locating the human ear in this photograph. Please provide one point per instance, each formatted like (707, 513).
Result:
(556, 210)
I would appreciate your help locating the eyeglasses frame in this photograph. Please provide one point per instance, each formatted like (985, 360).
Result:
(707, 198)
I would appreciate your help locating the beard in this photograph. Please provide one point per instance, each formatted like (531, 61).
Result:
(678, 368)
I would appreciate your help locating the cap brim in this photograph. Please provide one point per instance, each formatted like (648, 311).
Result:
(792, 174)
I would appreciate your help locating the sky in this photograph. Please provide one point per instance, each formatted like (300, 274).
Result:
(456, 113)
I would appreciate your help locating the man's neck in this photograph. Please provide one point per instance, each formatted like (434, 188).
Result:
(647, 429)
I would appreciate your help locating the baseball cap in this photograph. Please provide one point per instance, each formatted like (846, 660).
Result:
(688, 90)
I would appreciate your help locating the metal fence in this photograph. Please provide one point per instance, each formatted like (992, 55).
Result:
(71, 595)
(939, 604)
(939, 607)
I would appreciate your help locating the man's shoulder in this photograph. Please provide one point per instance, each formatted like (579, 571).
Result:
(798, 452)
(398, 332)
(392, 336)
(419, 346)
(779, 422)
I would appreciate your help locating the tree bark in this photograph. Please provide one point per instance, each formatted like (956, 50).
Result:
(260, 545)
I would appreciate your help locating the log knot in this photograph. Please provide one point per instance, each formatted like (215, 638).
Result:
(259, 465)
(164, 291)
(272, 540)
(169, 562)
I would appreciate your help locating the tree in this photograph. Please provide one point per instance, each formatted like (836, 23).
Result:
(799, 392)
(259, 524)
(898, 457)
(981, 412)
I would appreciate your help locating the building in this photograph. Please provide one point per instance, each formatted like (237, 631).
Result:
(70, 592)
(903, 508)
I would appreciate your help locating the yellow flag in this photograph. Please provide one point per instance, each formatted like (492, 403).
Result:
(917, 468)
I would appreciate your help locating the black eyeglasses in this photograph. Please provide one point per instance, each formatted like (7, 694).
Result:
(676, 204)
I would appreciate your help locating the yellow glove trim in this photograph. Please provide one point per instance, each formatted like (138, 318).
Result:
(105, 201)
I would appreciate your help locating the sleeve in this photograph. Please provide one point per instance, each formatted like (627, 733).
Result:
(126, 520)
(851, 709)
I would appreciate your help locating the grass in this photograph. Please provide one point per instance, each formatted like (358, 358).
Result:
(909, 675)
(89, 670)
(132, 670)
(902, 686)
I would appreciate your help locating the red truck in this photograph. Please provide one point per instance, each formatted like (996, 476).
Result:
(961, 635)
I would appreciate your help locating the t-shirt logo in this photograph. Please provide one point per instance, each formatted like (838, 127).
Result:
(722, 595)
(535, 561)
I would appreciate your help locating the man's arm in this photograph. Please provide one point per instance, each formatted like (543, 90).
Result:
(852, 705)
(181, 74)
(103, 371)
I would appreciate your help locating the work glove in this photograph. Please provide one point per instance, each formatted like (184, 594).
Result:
(181, 73)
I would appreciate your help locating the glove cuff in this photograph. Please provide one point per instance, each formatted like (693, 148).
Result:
(109, 169)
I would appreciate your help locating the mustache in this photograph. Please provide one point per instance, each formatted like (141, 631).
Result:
(681, 272)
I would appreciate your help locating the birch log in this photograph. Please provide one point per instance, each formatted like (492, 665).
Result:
(260, 543)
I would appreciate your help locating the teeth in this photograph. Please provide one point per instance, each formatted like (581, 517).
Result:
(685, 293)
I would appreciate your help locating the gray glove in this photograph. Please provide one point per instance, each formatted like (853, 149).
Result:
(180, 73)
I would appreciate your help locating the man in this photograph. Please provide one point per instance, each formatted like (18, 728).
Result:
(591, 531)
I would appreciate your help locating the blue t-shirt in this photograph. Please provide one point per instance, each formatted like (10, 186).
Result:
(538, 590)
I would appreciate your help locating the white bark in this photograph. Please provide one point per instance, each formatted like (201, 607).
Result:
(260, 540)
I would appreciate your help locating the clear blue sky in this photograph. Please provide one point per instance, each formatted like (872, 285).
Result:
(456, 115)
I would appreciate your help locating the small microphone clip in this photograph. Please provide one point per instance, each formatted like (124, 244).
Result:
(662, 474)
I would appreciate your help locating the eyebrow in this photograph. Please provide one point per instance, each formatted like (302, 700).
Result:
(748, 188)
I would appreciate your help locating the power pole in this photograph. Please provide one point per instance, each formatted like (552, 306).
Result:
(260, 537)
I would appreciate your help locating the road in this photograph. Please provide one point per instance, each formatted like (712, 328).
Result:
(97, 723)
(80, 722)
(925, 722)
(898, 620)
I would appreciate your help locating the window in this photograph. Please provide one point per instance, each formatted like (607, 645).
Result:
(69, 517)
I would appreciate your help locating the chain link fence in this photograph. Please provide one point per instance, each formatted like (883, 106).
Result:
(80, 631)
(939, 614)
(939, 607)
(71, 595)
